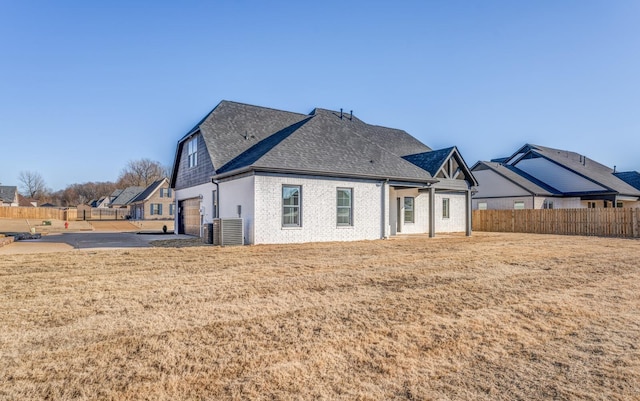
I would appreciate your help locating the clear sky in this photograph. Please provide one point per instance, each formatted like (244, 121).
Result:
(86, 86)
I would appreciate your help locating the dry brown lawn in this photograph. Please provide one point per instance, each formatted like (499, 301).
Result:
(492, 317)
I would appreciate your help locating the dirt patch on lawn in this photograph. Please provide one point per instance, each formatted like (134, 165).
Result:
(492, 317)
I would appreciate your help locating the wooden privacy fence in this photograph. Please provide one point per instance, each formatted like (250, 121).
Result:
(37, 213)
(612, 222)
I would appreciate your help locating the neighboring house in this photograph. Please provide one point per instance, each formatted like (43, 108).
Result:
(125, 196)
(630, 177)
(154, 203)
(103, 202)
(9, 196)
(26, 202)
(538, 177)
(325, 176)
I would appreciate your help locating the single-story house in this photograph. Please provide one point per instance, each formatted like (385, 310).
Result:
(9, 196)
(323, 176)
(154, 203)
(539, 177)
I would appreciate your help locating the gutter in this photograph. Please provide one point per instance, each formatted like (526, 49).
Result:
(319, 173)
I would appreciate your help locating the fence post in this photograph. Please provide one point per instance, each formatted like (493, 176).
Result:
(634, 221)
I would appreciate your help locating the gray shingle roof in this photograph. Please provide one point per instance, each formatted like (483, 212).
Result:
(430, 161)
(232, 128)
(586, 167)
(240, 136)
(518, 177)
(126, 196)
(630, 177)
(148, 191)
(328, 144)
(8, 193)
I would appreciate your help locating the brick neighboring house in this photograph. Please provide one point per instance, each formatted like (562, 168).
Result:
(9, 196)
(156, 202)
(539, 177)
(323, 176)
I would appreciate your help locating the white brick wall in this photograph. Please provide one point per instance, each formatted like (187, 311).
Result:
(457, 213)
(421, 211)
(318, 211)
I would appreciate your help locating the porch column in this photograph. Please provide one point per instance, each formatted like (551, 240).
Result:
(469, 212)
(432, 212)
(384, 210)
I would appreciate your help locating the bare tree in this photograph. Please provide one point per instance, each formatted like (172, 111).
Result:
(141, 173)
(32, 184)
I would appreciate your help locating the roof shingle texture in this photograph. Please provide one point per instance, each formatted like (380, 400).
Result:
(588, 168)
(239, 135)
(8, 193)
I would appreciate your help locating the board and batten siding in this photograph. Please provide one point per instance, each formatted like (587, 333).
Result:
(318, 210)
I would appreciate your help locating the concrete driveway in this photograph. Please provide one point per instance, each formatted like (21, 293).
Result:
(85, 240)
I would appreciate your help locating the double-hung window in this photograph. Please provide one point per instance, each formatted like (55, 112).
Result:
(344, 213)
(165, 192)
(192, 151)
(409, 216)
(291, 205)
(156, 209)
(445, 208)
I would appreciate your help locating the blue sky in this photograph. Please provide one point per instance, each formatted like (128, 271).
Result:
(87, 86)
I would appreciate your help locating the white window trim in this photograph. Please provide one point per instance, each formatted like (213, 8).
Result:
(192, 151)
(350, 207)
(299, 206)
(412, 210)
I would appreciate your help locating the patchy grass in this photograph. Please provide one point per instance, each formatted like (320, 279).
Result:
(177, 243)
(492, 317)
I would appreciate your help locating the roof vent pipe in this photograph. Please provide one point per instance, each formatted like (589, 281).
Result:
(351, 117)
(614, 169)
(341, 113)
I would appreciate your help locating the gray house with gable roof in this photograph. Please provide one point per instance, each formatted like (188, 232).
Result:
(323, 176)
(540, 177)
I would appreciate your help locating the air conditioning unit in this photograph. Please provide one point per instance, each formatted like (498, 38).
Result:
(228, 232)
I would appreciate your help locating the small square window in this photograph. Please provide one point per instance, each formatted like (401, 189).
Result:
(518, 205)
(482, 206)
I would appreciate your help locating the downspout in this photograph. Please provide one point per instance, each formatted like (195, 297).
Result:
(217, 211)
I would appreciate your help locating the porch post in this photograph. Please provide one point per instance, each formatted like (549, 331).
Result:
(432, 212)
(469, 212)
(384, 210)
